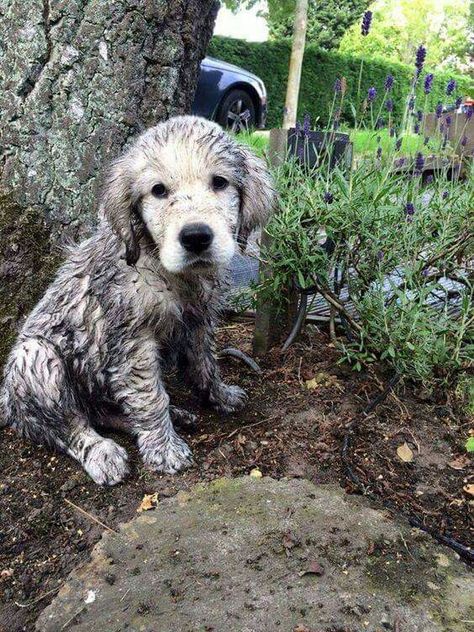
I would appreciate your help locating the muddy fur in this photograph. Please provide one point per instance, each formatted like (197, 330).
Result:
(133, 297)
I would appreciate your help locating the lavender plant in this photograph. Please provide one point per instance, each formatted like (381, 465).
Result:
(398, 266)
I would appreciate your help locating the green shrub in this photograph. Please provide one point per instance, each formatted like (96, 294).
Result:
(269, 60)
(395, 241)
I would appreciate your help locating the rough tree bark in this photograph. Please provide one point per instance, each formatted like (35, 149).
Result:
(78, 78)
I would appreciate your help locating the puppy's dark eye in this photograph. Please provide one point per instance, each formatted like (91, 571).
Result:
(159, 190)
(219, 183)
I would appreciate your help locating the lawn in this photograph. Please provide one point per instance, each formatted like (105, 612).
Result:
(365, 141)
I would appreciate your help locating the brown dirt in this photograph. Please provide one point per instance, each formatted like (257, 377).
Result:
(286, 430)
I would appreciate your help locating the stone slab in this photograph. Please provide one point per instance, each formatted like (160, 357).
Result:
(260, 555)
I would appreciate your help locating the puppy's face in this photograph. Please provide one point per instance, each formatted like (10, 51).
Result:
(194, 188)
(190, 201)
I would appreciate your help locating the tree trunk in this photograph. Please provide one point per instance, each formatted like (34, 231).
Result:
(78, 79)
(296, 63)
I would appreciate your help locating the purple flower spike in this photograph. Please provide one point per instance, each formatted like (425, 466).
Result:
(388, 85)
(416, 129)
(392, 132)
(389, 105)
(419, 115)
(458, 102)
(429, 179)
(366, 22)
(444, 195)
(419, 163)
(371, 94)
(338, 86)
(463, 141)
(380, 255)
(306, 124)
(400, 162)
(448, 121)
(410, 211)
(420, 59)
(379, 153)
(439, 109)
(328, 197)
(451, 87)
(427, 140)
(469, 112)
(398, 144)
(411, 103)
(428, 82)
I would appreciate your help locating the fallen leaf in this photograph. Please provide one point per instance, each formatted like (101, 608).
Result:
(314, 568)
(460, 462)
(469, 489)
(321, 379)
(149, 501)
(405, 453)
(256, 473)
(470, 444)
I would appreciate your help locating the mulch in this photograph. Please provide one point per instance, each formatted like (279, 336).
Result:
(50, 510)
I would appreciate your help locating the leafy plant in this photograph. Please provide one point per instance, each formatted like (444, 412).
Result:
(402, 246)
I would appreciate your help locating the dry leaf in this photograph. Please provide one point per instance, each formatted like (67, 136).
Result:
(256, 473)
(469, 489)
(460, 462)
(149, 501)
(405, 453)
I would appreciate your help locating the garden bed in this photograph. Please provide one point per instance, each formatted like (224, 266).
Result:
(287, 429)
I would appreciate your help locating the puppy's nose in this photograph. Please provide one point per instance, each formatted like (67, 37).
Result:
(196, 237)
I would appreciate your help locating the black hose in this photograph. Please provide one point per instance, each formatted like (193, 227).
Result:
(463, 551)
(240, 355)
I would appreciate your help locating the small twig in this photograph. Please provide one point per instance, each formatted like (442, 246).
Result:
(257, 423)
(299, 369)
(31, 603)
(90, 516)
(76, 614)
(125, 594)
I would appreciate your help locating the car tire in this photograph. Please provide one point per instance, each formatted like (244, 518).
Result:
(237, 112)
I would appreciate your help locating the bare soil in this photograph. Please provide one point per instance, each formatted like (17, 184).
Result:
(287, 429)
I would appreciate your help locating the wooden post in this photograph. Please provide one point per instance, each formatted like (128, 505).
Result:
(296, 63)
(269, 323)
(267, 328)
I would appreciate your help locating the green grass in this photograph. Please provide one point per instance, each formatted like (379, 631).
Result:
(365, 142)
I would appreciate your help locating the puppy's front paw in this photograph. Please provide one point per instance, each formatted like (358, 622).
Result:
(106, 462)
(168, 456)
(229, 398)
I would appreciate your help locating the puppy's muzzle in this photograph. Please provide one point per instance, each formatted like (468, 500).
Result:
(196, 238)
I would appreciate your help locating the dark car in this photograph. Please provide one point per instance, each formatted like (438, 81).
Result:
(230, 95)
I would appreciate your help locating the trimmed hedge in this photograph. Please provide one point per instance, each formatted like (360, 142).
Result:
(269, 60)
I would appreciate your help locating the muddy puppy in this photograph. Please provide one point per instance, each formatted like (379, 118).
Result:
(147, 285)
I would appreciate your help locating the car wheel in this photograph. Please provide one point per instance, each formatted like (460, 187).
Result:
(237, 111)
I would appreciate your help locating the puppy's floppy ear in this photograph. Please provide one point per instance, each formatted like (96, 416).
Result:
(118, 208)
(258, 195)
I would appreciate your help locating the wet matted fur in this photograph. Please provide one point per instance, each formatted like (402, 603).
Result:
(144, 289)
